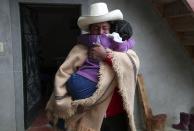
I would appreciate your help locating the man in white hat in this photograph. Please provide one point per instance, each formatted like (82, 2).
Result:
(87, 114)
(97, 23)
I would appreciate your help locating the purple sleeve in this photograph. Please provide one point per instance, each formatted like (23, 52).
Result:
(123, 47)
(87, 39)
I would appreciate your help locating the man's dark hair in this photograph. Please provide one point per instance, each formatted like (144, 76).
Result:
(123, 28)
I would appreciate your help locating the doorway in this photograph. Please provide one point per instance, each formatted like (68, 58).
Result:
(48, 34)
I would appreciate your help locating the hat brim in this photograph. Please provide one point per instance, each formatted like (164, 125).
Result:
(84, 21)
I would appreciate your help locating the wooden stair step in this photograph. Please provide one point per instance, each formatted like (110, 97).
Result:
(184, 28)
(187, 38)
(175, 8)
(163, 1)
(191, 33)
(185, 23)
(187, 43)
(190, 50)
(182, 18)
(189, 14)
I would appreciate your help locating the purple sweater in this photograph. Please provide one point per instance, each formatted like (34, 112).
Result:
(90, 68)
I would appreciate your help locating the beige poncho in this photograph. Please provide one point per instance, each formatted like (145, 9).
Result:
(87, 114)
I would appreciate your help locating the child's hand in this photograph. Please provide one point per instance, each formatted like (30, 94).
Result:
(98, 52)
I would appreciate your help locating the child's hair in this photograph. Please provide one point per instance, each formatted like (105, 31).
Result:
(123, 28)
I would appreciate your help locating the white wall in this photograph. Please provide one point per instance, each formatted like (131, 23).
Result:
(7, 92)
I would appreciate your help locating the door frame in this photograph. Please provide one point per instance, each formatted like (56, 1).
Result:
(17, 50)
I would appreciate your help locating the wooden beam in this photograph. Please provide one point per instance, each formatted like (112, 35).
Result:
(152, 122)
(147, 111)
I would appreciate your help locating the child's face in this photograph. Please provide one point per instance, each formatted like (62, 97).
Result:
(100, 28)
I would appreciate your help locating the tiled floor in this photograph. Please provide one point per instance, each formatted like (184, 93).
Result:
(40, 123)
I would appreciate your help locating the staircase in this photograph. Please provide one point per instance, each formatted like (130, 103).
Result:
(180, 16)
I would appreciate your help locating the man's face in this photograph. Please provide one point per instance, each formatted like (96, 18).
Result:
(100, 28)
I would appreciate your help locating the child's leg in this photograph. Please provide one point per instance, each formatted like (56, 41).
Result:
(80, 87)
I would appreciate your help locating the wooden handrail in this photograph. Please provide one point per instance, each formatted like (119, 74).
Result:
(147, 111)
(152, 122)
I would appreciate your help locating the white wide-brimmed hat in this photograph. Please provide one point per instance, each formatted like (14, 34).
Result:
(98, 13)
